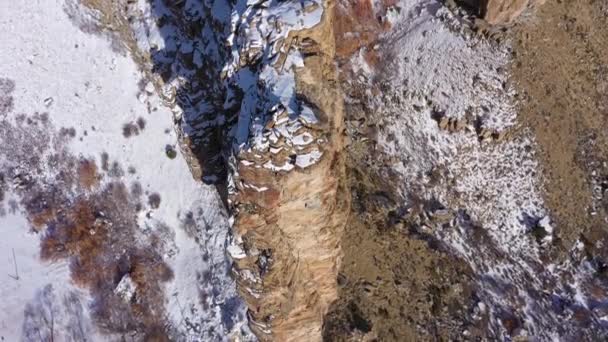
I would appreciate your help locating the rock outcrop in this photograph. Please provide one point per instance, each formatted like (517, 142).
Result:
(289, 220)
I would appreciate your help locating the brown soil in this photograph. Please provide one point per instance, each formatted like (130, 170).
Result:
(561, 71)
(88, 177)
(395, 285)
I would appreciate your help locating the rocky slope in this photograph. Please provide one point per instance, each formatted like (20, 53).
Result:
(290, 222)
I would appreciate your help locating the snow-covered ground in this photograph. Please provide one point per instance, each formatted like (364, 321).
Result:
(95, 105)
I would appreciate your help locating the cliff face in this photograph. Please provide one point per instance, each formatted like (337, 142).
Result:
(291, 222)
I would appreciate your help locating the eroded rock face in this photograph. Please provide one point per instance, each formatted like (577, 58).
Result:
(290, 222)
(505, 11)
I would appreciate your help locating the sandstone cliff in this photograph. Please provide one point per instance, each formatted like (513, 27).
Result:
(291, 222)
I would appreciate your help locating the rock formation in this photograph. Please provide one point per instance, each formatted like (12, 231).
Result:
(290, 222)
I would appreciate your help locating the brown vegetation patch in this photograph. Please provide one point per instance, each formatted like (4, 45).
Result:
(39, 220)
(98, 235)
(87, 174)
(92, 226)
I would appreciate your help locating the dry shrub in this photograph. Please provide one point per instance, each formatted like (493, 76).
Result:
(97, 233)
(67, 132)
(154, 200)
(94, 227)
(74, 233)
(130, 129)
(157, 334)
(88, 178)
(41, 219)
(141, 123)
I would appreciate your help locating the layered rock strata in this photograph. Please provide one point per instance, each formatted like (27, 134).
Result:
(290, 217)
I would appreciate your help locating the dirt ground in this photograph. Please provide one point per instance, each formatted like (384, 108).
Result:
(560, 69)
(395, 285)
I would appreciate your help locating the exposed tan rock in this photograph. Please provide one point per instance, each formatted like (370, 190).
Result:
(505, 11)
(291, 223)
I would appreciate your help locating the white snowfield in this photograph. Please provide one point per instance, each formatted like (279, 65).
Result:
(98, 94)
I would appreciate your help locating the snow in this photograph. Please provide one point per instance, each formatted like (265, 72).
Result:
(126, 288)
(437, 69)
(285, 167)
(85, 85)
(236, 252)
(308, 159)
(267, 28)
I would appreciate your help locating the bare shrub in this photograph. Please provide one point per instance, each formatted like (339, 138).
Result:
(141, 123)
(2, 186)
(129, 129)
(51, 317)
(67, 132)
(105, 161)
(87, 174)
(154, 200)
(6, 100)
